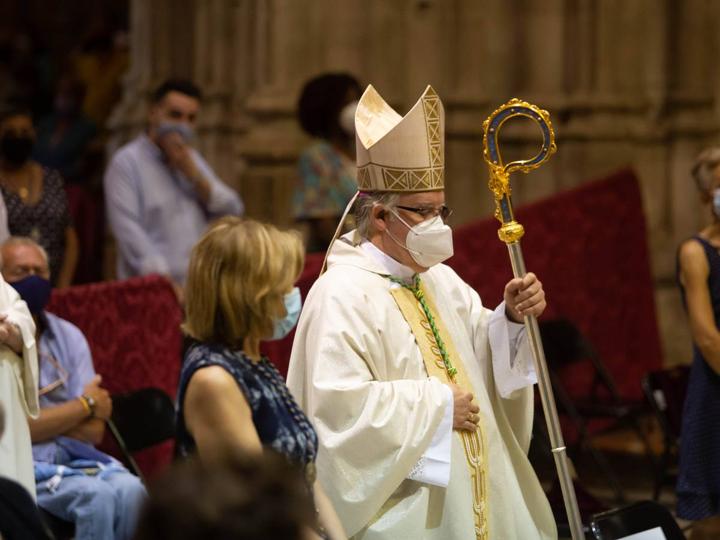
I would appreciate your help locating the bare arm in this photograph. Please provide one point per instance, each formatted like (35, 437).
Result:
(218, 416)
(90, 430)
(328, 517)
(694, 272)
(70, 258)
(72, 418)
(58, 420)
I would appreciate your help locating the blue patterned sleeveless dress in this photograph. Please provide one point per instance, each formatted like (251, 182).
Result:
(279, 421)
(698, 487)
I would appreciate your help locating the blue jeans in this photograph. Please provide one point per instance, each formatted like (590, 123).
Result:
(103, 507)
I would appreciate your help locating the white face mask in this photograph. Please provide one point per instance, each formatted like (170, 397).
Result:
(346, 119)
(429, 242)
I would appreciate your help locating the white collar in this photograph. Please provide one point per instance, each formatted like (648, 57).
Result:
(393, 267)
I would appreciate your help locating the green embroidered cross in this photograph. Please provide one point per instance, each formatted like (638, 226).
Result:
(415, 289)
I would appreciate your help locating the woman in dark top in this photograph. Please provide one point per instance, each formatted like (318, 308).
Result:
(35, 197)
(698, 488)
(231, 399)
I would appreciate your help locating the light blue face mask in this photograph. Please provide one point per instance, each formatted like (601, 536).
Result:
(716, 202)
(293, 305)
(184, 130)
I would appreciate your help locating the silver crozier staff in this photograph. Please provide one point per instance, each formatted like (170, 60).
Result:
(510, 232)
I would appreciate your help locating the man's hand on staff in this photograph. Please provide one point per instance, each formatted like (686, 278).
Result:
(524, 296)
(465, 412)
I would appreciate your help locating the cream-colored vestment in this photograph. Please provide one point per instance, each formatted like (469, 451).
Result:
(18, 392)
(357, 370)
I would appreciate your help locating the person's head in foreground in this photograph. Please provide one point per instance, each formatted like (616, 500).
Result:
(247, 498)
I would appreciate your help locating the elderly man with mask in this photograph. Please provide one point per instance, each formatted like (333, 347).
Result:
(422, 398)
(75, 482)
(160, 192)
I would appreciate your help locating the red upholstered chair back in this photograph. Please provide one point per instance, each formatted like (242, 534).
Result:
(588, 245)
(133, 328)
(88, 217)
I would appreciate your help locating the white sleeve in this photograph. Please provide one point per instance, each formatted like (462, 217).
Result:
(511, 356)
(433, 467)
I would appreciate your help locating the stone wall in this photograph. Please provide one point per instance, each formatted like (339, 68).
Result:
(626, 82)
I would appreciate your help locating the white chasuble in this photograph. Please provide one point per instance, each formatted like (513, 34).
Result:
(18, 392)
(358, 371)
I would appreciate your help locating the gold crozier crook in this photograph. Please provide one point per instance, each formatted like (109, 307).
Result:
(511, 232)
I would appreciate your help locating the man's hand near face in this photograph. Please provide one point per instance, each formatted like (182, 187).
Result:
(179, 157)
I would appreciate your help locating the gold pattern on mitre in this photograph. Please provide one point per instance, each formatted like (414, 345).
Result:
(402, 154)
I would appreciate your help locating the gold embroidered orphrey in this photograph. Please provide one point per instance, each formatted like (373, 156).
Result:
(473, 442)
(414, 179)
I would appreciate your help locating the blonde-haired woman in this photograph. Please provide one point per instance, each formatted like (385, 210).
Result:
(231, 399)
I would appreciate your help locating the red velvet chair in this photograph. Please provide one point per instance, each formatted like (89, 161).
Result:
(87, 212)
(133, 328)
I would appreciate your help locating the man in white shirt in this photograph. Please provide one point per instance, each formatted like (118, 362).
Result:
(160, 192)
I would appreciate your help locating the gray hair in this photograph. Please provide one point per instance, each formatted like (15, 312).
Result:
(24, 241)
(704, 166)
(363, 209)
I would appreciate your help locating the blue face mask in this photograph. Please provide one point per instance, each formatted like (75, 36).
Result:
(35, 290)
(716, 202)
(293, 305)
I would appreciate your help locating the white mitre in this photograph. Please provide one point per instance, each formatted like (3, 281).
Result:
(400, 154)
(395, 153)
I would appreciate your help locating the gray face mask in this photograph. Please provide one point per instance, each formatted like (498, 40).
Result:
(184, 130)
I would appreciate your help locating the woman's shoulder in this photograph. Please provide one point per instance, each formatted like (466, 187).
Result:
(213, 380)
(208, 353)
(693, 249)
(694, 259)
(215, 365)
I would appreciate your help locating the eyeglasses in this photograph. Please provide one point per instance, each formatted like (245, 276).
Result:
(429, 211)
(62, 374)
